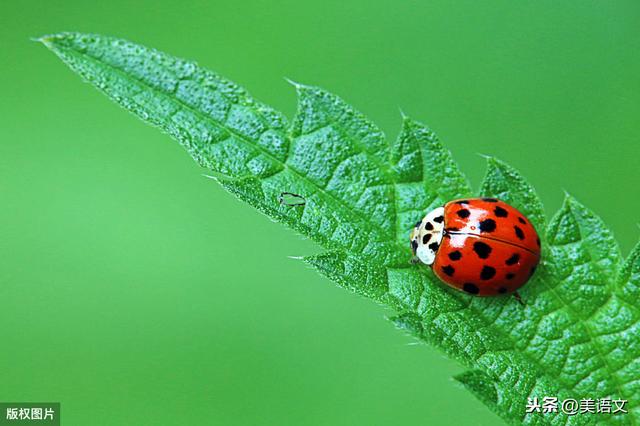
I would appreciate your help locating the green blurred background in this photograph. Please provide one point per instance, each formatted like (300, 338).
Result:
(129, 290)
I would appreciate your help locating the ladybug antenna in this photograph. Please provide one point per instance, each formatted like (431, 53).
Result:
(518, 298)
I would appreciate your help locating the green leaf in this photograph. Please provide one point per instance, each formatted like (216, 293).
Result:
(504, 182)
(628, 282)
(485, 389)
(576, 335)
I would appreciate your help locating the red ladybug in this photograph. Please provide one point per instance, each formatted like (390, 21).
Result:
(482, 246)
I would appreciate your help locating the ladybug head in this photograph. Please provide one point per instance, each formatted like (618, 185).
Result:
(427, 235)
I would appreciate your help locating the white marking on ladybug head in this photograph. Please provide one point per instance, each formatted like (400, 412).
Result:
(427, 235)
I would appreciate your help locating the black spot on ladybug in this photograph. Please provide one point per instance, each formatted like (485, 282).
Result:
(502, 290)
(510, 276)
(426, 238)
(487, 272)
(433, 246)
(463, 213)
(449, 270)
(500, 212)
(483, 250)
(513, 259)
(522, 221)
(418, 224)
(519, 232)
(471, 288)
(490, 200)
(462, 202)
(428, 226)
(455, 255)
(533, 271)
(439, 219)
(488, 225)
(452, 229)
(538, 241)
(414, 245)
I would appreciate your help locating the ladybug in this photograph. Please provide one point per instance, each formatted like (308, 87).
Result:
(482, 246)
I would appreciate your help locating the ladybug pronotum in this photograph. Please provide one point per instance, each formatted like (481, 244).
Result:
(482, 246)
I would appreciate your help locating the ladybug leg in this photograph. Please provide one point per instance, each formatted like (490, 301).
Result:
(518, 298)
(414, 260)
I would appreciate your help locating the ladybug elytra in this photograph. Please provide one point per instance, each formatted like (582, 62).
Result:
(482, 246)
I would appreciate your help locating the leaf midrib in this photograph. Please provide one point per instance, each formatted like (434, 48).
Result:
(285, 165)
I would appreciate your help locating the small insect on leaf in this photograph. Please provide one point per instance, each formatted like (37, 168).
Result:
(291, 199)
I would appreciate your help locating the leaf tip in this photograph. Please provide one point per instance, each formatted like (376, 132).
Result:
(292, 82)
(49, 40)
(300, 88)
(568, 198)
(496, 163)
(572, 206)
(407, 121)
